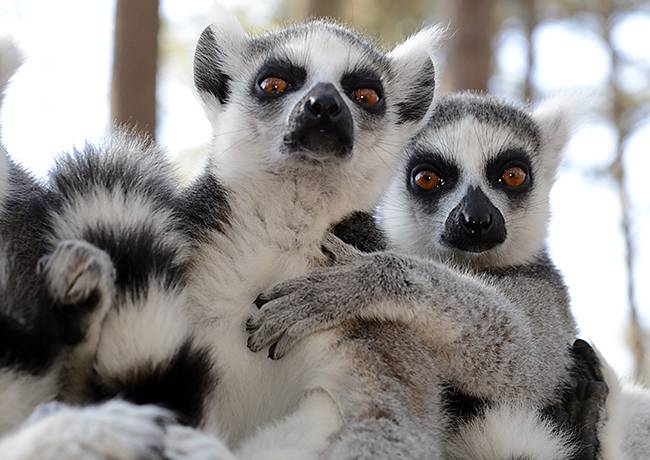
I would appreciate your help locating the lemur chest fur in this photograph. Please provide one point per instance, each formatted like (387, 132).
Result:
(232, 270)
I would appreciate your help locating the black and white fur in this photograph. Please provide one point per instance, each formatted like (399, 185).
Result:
(497, 312)
(255, 217)
(54, 292)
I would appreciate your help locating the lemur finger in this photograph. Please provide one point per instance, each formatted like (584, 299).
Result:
(284, 344)
(337, 251)
(266, 328)
(281, 290)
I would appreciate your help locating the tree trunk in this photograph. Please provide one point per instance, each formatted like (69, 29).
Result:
(324, 8)
(530, 22)
(135, 58)
(470, 48)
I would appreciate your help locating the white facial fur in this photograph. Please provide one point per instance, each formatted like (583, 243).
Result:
(470, 140)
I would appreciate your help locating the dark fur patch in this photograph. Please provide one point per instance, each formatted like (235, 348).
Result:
(360, 230)
(180, 384)
(29, 337)
(204, 207)
(461, 407)
(415, 104)
(138, 256)
(486, 109)
(209, 76)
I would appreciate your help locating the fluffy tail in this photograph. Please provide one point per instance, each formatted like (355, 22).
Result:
(509, 431)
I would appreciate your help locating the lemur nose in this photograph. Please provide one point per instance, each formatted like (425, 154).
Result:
(476, 224)
(324, 102)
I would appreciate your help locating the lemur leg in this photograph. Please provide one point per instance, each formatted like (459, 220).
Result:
(116, 430)
(80, 281)
(302, 435)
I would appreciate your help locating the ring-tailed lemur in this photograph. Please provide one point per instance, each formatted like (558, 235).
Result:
(467, 219)
(309, 120)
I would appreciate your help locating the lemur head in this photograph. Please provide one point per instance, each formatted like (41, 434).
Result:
(476, 181)
(314, 102)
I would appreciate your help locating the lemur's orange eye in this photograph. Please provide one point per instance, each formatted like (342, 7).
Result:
(513, 177)
(274, 85)
(366, 96)
(428, 180)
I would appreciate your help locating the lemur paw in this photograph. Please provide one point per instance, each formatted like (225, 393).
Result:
(291, 310)
(75, 270)
(184, 443)
(115, 430)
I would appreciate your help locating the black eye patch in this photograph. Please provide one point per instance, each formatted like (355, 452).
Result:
(295, 76)
(510, 158)
(422, 160)
(362, 79)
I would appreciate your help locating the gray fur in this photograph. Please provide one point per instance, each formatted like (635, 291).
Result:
(498, 323)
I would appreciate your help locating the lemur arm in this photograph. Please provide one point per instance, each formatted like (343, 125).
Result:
(489, 346)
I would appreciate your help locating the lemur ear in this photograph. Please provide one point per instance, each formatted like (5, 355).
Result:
(217, 59)
(555, 118)
(415, 79)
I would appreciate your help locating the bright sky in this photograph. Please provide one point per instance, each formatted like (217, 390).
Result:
(60, 98)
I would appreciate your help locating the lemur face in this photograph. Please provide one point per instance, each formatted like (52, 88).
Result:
(313, 97)
(476, 181)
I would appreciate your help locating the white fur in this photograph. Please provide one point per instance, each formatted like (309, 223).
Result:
(184, 443)
(302, 435)
(625, 424)
(115, 430)
(144, 331)
(509, 432)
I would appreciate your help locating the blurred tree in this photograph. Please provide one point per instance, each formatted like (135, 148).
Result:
(135, 58)
(619, 107)
(469, 58)
(530, 22)
(323, 8)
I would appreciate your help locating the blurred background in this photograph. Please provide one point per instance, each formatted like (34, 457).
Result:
(91, 63)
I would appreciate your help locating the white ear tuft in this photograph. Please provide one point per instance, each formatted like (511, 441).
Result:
(424, 42)
(557, 118)
(225, 23)
(413, 63)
